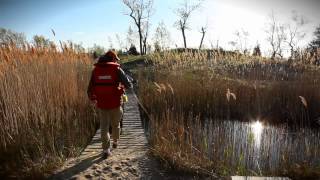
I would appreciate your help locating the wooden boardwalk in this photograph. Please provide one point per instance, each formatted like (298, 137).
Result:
(129, 161)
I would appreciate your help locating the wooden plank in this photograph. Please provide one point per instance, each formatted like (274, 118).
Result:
(258, 178)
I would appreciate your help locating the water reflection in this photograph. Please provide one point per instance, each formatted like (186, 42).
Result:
(257, 131)
(258, 147)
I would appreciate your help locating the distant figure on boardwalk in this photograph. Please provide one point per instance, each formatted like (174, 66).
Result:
(106, 87)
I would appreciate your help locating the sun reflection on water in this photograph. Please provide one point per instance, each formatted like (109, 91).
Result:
(257, 128)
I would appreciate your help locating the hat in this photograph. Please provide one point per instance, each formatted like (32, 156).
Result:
(111, 55)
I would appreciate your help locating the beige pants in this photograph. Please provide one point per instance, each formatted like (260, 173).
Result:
(109, 117)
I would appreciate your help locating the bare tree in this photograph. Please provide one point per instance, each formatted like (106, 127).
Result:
(139, 11)
(146, 26)
(203, 32)
(110, 43)
(294, 32)
(242, 41)
(161, 37)
(276, 36)
(120, 42)
(281, 37)
(239, 40)
(184, 13)
(271, 31)
(233, 44)
(131, 37)
(145, 36)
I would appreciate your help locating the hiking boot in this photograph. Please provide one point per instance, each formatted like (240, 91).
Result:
(115, 145)
(106, 153)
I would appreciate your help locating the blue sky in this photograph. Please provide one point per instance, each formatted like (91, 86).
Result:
(94, 21)
(78, 20)
(69, 19)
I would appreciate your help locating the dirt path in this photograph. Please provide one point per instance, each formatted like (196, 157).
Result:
(129, 161)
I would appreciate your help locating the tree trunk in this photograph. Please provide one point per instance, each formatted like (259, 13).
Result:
(273, 55)
(184, 38)
(292, 52)
(203, 34)
(140, 40)
(144, 46)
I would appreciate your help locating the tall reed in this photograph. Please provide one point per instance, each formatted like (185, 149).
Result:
(195, 102)
(44, 112)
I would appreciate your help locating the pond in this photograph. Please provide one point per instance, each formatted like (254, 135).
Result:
(258, 147)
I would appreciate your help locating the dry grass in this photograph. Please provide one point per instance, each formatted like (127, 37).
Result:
(188, 96)
(44, 111)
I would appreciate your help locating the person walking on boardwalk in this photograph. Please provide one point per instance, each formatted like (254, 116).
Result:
(106, 87)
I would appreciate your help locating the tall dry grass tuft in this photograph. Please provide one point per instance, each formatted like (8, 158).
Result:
(201, 122)
(44, 111)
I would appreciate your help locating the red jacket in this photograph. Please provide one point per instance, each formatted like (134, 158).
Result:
(105, 86)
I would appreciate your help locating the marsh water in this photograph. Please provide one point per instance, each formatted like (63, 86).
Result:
(258, 147)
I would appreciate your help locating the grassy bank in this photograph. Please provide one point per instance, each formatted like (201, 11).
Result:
(201, 105)
(44, 112)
